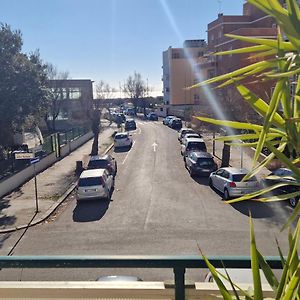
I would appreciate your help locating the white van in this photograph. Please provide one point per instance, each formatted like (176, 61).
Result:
(95, 184)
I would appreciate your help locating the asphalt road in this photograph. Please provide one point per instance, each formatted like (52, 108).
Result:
(156, 208)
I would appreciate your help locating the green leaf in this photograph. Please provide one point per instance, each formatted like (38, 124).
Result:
(224, 292)
(284, 74)
(293, 285)
(270, 43)
(245, 50)
(271, 278)
(279, 197)
(258, 65)
(284, 159)
(280, 254)
(292, 217)
(258, 294)
(232, 124)
(268, 119)
(285, 273)
(259, 105)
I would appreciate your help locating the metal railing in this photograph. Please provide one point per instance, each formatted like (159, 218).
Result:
(178, 263)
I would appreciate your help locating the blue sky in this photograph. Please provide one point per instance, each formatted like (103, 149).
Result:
(110, 39)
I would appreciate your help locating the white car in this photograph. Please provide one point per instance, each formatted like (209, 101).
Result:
(189, 136)
(183, 131)
(95, 184)
(229, 182)
(122, 139)
(194, 144)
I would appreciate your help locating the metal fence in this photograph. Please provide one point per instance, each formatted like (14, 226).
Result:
(52, 143)
(179, 264)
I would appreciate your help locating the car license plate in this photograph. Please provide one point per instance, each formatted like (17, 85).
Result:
(90, 190)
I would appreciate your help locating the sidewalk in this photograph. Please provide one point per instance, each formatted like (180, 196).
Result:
(236, 157)
(18, 208)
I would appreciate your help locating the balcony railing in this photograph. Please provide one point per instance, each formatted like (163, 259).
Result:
(178, 263)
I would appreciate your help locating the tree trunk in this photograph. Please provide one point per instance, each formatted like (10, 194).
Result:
(53, 124)
(225, 155)
(96, 131)
(95, 145)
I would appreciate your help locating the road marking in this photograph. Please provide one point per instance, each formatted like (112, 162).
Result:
(128, 153)
(154, 145)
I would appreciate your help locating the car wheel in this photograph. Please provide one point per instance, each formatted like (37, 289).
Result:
(191, 172)
(210, 183)
(293, 201)
(226, 195)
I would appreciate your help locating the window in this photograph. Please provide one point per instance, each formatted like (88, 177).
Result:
(175, 55)
(74, 93)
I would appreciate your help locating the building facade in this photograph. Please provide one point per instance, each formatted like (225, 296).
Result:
(253, 23)
(179, 72)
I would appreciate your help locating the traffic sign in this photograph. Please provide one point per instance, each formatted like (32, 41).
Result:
(24, 155)
(34, 160)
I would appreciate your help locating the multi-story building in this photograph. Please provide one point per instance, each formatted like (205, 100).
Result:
(254, 23)
(71, 98)
(179, 72)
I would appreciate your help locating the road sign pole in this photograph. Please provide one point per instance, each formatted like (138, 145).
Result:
(36, 195)
(242, 157)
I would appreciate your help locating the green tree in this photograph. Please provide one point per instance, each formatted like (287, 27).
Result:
(23, 91)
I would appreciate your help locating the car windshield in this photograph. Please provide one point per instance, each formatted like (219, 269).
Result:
(196, 146)
(239, 177)
(99, 164)
(121, 136)
(89, 181)
(205, 162)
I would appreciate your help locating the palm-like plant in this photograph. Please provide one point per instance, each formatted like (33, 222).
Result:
(280, 62)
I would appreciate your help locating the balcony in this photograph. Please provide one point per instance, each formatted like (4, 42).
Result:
(121, 290)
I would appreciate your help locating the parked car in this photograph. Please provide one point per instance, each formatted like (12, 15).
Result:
(194, 144)
(103, 162)
(130, 124)
(200, 163)
(175, 123)
(122, 139)
(284, 176)
(190, 136)
(184, 131)
(152, 116)
(95, 184)
(229, 182)
(167, 119)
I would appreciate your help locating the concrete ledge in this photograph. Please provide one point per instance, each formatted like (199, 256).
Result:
(112, 290)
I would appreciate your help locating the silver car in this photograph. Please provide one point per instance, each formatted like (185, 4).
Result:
(229, 182)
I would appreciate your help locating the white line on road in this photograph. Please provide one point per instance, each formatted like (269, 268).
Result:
(128, 153)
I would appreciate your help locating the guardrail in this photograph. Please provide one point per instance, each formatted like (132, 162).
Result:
(178, 263)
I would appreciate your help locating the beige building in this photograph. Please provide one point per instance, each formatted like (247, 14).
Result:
(179, 65)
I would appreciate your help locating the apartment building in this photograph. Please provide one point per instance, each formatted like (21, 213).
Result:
(179, 72)
(253, 23)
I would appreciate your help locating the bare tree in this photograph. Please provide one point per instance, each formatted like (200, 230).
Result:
(56, 95)
(104, 92)
(135, 88)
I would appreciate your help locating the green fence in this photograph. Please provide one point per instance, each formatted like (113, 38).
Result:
(178, 263)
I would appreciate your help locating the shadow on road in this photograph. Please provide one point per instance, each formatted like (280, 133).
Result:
(90, 211)
(3, 237)
(123, 149)
(201, 180)
(275, 212)
(5, 220)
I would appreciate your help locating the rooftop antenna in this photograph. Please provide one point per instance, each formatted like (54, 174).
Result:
(220, 6)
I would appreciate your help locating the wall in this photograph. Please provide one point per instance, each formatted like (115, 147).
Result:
(21, 177)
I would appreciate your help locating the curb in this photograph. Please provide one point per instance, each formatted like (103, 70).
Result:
(52, 208)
